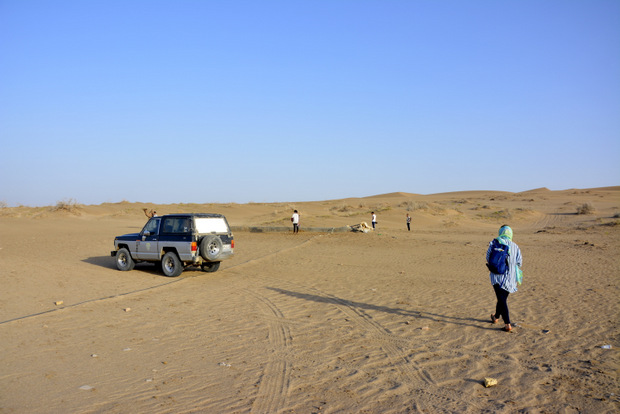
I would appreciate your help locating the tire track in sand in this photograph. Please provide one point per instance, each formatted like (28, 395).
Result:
(551, 221)
(431, 395)
(396, 354)
(275, 380)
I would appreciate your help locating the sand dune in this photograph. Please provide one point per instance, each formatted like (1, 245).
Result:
(386, 322)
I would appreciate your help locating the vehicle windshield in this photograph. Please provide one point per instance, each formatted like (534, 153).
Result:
(151, 226)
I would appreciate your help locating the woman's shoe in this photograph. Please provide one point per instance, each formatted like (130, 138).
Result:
(493, 319)
(507, 328)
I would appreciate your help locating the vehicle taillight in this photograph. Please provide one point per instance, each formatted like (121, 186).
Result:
(194, 246)
(232, 244)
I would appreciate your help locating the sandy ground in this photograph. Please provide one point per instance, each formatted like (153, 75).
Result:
(386, 322)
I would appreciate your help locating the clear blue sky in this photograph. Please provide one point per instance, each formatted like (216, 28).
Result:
(171, 101)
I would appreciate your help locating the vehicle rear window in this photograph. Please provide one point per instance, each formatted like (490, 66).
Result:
(211, 225)
(176, 225)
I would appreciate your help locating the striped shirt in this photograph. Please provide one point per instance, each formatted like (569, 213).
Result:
(508, 281)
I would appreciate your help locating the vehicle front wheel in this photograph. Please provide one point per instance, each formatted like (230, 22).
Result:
(171, 265)
(124, 262)
(210, 266)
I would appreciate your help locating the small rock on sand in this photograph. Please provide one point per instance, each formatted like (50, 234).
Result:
(490, 382)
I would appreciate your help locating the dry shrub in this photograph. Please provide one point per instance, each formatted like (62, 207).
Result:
(381, 207)
(344, 208)
(68, 206)
(503, 214)
(585, 208)
(414, 205)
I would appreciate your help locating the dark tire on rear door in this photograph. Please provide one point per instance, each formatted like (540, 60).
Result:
(211, 248)
(210, 266)
(171, 265)
(124, 262)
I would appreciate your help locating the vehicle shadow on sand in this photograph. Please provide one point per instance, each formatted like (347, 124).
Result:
(108, 262)
(102, 261)
(153, 268)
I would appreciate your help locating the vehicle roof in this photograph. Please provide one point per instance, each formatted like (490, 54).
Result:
(211, 215)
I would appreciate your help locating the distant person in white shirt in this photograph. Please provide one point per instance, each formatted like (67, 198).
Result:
(374, 220)
(295, 220)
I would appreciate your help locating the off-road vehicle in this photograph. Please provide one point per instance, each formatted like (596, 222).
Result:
(177, 241)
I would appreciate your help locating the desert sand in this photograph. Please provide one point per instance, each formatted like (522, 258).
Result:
(388, 321)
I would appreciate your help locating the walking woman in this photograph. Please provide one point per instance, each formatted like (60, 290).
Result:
(506, 282)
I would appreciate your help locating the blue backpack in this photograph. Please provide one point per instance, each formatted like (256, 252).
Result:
(498, 258)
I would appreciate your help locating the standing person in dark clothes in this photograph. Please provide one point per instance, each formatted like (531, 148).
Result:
(295, 220)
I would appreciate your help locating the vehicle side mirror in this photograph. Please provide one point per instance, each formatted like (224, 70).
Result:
(147, 233)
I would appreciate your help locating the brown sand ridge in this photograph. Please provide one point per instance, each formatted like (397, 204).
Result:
(385, 322)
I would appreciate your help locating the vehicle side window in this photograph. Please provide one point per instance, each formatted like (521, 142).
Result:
(176, 225)
(152, 226)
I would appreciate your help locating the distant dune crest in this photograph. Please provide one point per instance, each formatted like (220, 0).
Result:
(395, 194)
(537, 190)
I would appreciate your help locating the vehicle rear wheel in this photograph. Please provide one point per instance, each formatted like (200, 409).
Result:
(210, 266)
(124, 262)
(211, 248)
(171, 265)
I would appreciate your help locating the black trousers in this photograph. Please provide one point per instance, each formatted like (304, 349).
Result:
(501, 309)
(295, 228)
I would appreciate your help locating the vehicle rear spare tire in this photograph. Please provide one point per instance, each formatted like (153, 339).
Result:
(171, 265)
(211, 248)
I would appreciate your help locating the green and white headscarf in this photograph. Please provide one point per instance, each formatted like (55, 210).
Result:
(505, 235)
